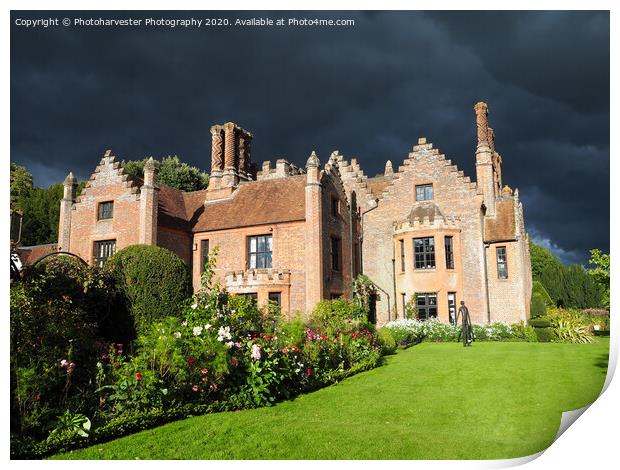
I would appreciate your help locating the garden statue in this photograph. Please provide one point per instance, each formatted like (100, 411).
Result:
(466, 331)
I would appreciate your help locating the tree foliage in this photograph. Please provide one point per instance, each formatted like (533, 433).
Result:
(172, 172)
(568, 286)
(21, 185)
(600, 272)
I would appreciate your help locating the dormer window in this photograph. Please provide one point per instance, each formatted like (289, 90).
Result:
(424, 192)
(105, 210)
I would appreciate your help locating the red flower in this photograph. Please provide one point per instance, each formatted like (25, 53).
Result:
(234, 361)
(204, 371)
(309, 371)
(268, 338)
(262, 334)
(138, 376)
(195, 388)
(189, 359)
(284, 350)
(37, 397)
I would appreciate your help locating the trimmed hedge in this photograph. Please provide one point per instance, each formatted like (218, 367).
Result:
(538, 308)
(542, 322)
(152, 281)
(544, 335)
(538, 288)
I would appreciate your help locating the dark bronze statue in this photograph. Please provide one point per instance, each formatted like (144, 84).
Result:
(466, 331)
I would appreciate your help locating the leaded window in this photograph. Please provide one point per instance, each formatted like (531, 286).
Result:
(204, 254)
(449, 253)
(424, 192)
(424, 252)
(105, 210)
(259, 252)
(502, 262)
(103, 250)
(426, 305)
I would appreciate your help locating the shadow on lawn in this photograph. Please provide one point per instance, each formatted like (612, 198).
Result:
(602, 362)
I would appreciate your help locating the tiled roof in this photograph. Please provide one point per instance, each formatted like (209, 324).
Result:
(256, 203)
(29, 254)
(253, 203)
(502, 227)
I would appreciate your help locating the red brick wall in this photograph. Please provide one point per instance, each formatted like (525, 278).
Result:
(287, 254)
(106, 184)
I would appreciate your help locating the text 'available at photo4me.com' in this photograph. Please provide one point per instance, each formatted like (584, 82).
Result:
(192, 22)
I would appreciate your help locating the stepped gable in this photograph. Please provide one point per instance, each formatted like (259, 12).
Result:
(332, 167)
(255, 203)
(110, 170)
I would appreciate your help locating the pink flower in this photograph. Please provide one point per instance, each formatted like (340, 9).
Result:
(255, 352)
(37, 397)
(195, 388)
(204, 371)
(234, 361)
(189, 359)
(309, 371)
(204, 379)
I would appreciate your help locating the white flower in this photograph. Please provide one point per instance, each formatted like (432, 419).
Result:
(177, 334)
(63, 363)
(194, 306)
(223, 333)
(230, 344)
(255, 353)
(233, 311)
(197, 330)
(208, 326)
(184, 323)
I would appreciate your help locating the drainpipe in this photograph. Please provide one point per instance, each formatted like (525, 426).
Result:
(394, 281)
(485, 247)
(351, 244)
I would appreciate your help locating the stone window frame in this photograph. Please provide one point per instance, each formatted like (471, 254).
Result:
(425, 259)
(203, 259)
(451, 318)
(449, 251)
(501, 258)
(249, 253)
(279, 297)
(425, 187)
(100, 260)
(427, 306)
(100, 205)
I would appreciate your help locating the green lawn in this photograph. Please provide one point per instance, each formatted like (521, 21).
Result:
(432, 401)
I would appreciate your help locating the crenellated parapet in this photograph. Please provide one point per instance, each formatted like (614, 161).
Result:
(282, 169)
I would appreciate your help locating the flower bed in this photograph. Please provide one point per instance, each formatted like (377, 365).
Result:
(407, 332)
(221, 352)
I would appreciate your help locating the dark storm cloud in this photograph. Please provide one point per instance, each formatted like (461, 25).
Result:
(369, 91)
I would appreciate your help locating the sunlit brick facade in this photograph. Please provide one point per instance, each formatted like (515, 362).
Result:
(424, 233)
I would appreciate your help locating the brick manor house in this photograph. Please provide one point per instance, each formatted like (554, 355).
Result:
(422, 232)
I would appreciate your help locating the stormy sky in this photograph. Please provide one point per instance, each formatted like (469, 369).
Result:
(369, 90)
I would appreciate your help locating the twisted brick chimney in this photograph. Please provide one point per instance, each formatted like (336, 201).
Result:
(231, 156)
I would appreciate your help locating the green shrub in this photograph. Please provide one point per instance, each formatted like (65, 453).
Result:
(387, 341)
(153, 282)
(538, 288)
(571, 326)
(538, 308)
(540, 322)
(544, 335)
